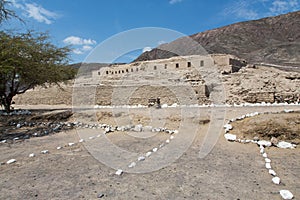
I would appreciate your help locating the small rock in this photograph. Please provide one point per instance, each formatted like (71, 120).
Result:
(264, 143)
(265, 155)
(230, 137)
(168, 141)
(119, 172)
(141, 158)
(288, 111)
(276, 180)
(71, 144)
(100, 195)
(272, 172)
(11, 161)
(268, 166)
(138, 128)
(18, 126)
(227, 127)
(171, 137)
(44, 151)
(31, 155)
(154, 149)
(26, 137)
(284, 145)
(255, 138)
(108, 129)
(81, 140)
(267, 160)
(286, 194)
(3, 141)
(58, 148)
(274, 141)
(148, 153)
(262, 150)
(133, 164)
(92, 137)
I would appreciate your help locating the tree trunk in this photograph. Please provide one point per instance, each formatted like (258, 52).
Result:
(7, 104)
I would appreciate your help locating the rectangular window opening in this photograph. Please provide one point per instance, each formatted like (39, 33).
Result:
(189, 64)
(201, 63)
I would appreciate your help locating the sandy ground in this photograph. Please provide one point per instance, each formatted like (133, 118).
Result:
(229, 171)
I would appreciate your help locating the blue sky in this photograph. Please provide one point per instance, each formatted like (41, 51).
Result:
(84, 24)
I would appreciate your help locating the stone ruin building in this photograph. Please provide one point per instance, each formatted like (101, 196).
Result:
(169, 79)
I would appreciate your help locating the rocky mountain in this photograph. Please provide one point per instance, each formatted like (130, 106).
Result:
(273, 40)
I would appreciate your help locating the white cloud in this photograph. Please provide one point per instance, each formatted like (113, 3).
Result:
(174, 1)
(244, 9)
(16, 4)
(74, 40)
(145, 49)
(35, 11)
(77, 51)
(82, 45)
(161, 42)
(40, 14)
(87, 48)
(281, 6)
(241, 9)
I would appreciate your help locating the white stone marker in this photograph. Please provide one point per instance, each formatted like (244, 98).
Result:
(11, 161)
(276, 180)
(268, 165)
(272, 172)
(133, 164)
(31, 155)
(230, 137)
(44, 151)
(285, 194)
(119, 172)
(148, 153)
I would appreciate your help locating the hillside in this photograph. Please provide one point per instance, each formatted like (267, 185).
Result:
(274, 40)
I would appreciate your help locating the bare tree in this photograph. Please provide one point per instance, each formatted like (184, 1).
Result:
(5, 13)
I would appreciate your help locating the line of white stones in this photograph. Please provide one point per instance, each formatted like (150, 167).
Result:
(175, 105)
(149, 153)
(285, 194)
(107, 129)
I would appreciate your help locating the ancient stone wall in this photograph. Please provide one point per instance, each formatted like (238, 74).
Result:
(260, 96)
(172, 64)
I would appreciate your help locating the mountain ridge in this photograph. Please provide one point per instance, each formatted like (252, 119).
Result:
(274, 40)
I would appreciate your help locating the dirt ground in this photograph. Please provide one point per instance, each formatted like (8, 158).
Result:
(281, 126)
(229, 171)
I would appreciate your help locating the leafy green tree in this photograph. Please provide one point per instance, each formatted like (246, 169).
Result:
(28, 60)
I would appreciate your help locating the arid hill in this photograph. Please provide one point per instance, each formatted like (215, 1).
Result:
(274, 40)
